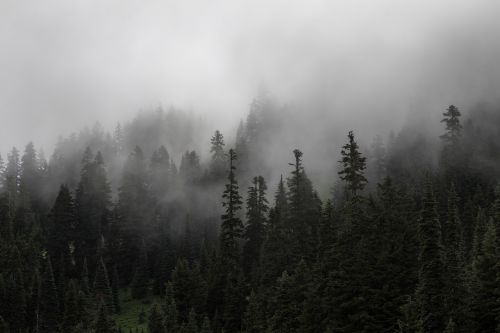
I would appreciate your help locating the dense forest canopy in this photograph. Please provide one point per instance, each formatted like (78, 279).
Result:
(134, 230)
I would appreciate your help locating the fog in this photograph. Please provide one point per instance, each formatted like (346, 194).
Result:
(362, 65)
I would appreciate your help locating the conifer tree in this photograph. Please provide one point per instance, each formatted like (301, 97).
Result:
(63, 223)
(353, 166)
(205, 325)
(234, 303)
(231, 228)
(104, 323)
(115, 290)
(255, 228)
(431, 274)
(102, 288)
(135, 213)
(453, 126)
(170, 309)
(12, 177)
(155, 320)
(254, 319)
(485, 292)
(140, 282)
(72, 312)
(456, 295)
(92, 204)
(48, 312)
(191, 326)
(85, 281)
(218, 163)
(275, 256)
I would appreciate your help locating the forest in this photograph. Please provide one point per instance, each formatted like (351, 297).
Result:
(134, 231)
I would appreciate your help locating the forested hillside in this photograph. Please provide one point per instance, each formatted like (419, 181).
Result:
(134, 231)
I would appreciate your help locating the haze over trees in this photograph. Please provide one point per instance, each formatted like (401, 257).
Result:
(212, 241)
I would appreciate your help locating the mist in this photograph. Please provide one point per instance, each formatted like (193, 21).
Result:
(363, 65)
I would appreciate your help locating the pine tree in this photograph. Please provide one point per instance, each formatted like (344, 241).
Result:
(140, 282)
(456, 295)
(353, 166)
(49, 311)
(231, 228)
(218, 163)
(14, 308)
(255, 228)
(234, 303)
(189, 288)
(304, 212)
(103, 324)
(453, 126)
(155, 320)
(254, 319)
(431, 275)
(205, 325)
(275, 256)
(191, 326)
(12, 177)
(170, 309)
(72, 312)
(485, 293)
(85, 281)
(136, 215)
(92, 205)
(101, 288)
(63, 223)
(29, 180)
(115, 290)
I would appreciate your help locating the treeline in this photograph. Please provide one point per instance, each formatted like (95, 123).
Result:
(416, 252)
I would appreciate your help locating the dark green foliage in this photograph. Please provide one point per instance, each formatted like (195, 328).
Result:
(115, 290)
(189, 288)
(140, 282)
(353, 166)
(170, 310)
(219, 159)
(485, 292)
(104, 323)
(73, 314)
(255, 229)
(431, 275)
(102, 288)
(92, 204)
(49, 310)
(155, 320)
(63, 222)
(232, 227)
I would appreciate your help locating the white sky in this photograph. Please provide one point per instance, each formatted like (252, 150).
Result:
(65, 64)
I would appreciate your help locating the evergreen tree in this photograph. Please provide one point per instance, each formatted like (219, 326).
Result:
(49, 311)
(12, 176)
(431, 275)
(102, 288)
(63, 223)
(453, 126)
(219, 160)
(257, 209)
(135, 215)
(115, 290)
(104, 323)
(353, 166)
(92, 205)
(485, 293)
(231, 228)
(155, 320)
(140, 282)
(170, 309)
(72, 312)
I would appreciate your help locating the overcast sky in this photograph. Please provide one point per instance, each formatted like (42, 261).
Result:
(65, 64)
